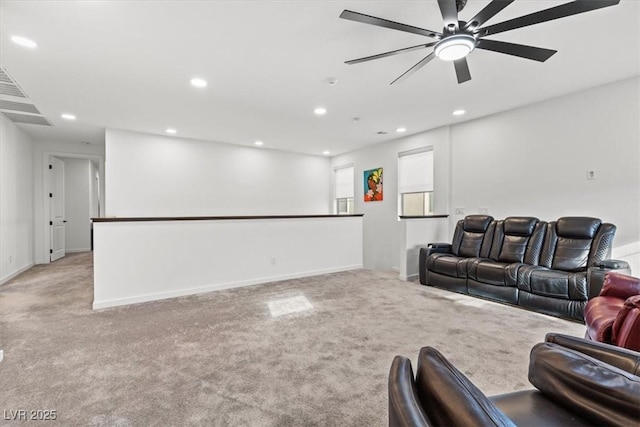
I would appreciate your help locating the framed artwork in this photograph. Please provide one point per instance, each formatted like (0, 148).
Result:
(373, 185)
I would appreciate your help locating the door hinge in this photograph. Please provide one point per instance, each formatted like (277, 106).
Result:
(50, 251)
(50, 194)
(50, 166)
(50, 222)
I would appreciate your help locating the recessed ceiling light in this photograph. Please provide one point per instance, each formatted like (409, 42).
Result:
(171, 131)
(198, 82)
(25, 42)
(326, 152)
(320, 111)
(459, 112)
(400, 130)
(258, 143)
(68, 116)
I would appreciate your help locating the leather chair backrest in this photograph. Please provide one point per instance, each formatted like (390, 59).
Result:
(518, 239)
(470, 234)
(575, 243)
(405, 409)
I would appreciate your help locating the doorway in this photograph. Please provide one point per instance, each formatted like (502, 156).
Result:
(72, 197)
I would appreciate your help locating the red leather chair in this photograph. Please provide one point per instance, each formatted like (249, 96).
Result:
(613, 317)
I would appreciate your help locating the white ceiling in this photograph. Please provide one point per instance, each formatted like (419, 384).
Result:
(127, 65)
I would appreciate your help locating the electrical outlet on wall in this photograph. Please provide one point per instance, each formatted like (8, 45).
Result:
(591, 174)
(10, 259)
(459, 211)
(273, 260)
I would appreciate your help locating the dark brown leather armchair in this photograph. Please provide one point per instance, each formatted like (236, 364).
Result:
(578, 383)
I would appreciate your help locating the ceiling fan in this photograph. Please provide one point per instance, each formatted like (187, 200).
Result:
(460, 38)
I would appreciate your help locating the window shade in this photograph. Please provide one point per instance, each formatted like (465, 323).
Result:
(344, 183)
(416, 172)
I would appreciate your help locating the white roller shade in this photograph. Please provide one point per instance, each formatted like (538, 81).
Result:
(416, 172)
(344, 183)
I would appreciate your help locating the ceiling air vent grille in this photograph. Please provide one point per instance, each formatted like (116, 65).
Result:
(18, 106)
(15, 110)
(4, 77)
(11, 90)
(26, 118)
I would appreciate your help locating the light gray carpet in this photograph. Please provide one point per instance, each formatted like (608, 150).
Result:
(223, 359)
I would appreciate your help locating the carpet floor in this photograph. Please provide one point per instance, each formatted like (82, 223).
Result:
(306, 352)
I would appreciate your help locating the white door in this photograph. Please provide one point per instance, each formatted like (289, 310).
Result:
(56, 203)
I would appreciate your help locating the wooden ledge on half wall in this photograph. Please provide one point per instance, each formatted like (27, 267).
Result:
(216, 218)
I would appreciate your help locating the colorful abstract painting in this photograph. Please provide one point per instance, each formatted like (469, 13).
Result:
(373, 185)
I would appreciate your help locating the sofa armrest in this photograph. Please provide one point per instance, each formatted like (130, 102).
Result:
(621, 358)
(595, 275)
(620, 286)
(431, 248)
(601, 393)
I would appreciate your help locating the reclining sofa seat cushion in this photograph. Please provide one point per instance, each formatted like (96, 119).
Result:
(516, 241)
(559, 284)
(471, 238)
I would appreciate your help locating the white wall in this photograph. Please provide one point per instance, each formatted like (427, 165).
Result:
(150, 175)
(16, 201)
(534, 161)
(77, 204)
(42, 150)
(145, 261)
(382, 229)
(528, 161)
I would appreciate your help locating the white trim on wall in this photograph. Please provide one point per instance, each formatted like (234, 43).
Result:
(15, 274)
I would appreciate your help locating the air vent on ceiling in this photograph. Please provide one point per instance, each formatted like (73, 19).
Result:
(18, 106)
(11, 90)
(18, 112)
(4, 77)
(26, 118)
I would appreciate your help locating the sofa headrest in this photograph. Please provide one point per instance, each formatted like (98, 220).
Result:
(578, 227)
(520, 225)
(477, 223)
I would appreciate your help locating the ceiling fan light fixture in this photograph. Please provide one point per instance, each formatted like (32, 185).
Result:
(455, 47)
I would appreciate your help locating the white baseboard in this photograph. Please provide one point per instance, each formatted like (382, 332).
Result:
(10, 276)
(97, 305)
(75, 251)
(409, 278)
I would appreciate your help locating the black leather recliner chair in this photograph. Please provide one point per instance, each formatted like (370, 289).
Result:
(579, 383)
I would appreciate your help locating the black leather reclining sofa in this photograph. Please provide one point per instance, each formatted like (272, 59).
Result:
(553, 268)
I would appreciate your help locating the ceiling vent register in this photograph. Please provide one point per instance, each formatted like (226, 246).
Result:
(18, 112)
(26, 118)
